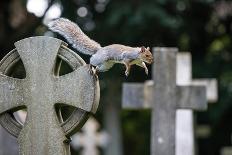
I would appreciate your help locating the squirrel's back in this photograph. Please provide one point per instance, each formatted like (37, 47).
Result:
(74, 36)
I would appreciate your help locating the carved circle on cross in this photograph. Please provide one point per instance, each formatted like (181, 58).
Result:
(10, 66)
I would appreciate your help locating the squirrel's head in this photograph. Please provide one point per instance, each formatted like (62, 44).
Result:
(145, 55)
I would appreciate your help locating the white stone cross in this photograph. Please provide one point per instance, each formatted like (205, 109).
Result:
(163, 96)
(184, 117)
(90, 139)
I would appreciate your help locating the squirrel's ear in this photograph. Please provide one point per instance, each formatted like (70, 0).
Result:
(148, 48)
(142, 49)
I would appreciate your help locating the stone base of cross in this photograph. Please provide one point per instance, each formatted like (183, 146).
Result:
(163, 96)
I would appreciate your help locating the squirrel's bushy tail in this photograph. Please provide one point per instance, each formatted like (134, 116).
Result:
(74, 36)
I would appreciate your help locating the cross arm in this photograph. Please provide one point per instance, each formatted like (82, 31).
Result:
(191, 97)
(78, 89)
(11, 93)
(211, 88)
(137, 95)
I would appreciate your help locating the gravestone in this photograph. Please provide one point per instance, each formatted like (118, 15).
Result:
(184, 118)
(90, 139)
(163, 96)
(41, 91)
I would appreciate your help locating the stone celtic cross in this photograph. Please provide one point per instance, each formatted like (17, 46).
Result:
(163, 96)
(40, 91)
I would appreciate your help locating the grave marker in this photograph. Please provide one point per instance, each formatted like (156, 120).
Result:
(90, 139)
(163, 96)
(42, 133)
(184, 118)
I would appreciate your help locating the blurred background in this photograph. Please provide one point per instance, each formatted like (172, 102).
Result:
(202, 27)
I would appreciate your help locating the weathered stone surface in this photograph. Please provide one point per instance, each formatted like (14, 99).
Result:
(11, 65)
(136, 93)
(163, 116)
(163, 96)
(41, 90)
(211, 88)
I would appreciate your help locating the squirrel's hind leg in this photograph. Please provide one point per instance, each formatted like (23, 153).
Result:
(128, 67)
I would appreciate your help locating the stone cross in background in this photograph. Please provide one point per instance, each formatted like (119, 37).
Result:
(184, 118)
(90, 138)
(163, 96)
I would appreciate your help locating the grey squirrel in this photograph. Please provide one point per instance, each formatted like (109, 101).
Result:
(103, 58)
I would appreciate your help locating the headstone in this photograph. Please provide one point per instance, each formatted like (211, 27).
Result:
(184, 118)
(41, 90)
(90, 138)
(163, 96)
(185, 129)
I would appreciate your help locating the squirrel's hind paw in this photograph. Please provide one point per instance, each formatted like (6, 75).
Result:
(92, 70)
